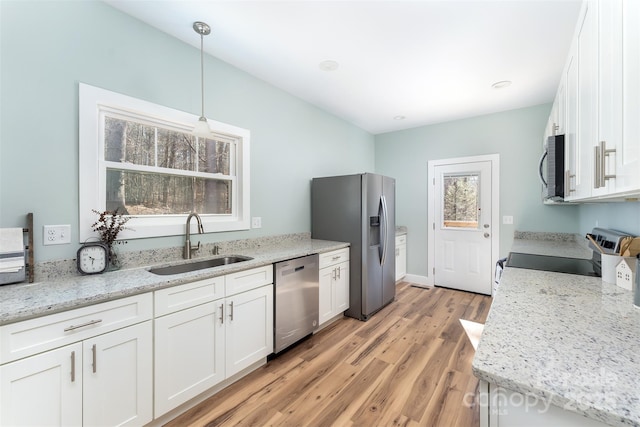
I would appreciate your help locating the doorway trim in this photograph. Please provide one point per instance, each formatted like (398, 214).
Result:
(495, 207)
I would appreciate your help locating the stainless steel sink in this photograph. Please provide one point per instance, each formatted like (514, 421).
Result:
(199, 265)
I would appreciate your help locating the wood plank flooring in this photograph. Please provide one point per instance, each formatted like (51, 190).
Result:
(409, 365)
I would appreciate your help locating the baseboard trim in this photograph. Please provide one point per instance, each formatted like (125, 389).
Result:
(421, 281)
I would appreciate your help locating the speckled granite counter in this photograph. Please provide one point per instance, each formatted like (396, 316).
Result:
(571, 339)
(400, 230)
(553, 244)
(24, 301)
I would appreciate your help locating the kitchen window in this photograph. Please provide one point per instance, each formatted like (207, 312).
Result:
(142, 159)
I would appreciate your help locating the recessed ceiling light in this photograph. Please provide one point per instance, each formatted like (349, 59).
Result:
(501, 84)
(399, 118)
(328, 65)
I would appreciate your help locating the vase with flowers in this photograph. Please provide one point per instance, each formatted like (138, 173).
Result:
(108, 225)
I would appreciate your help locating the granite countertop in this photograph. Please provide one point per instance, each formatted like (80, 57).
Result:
(571, 339)
(24, 301)
(400, 230)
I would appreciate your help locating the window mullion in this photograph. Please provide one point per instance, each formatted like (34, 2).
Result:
(155, 146)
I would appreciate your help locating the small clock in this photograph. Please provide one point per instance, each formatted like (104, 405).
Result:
(93, 258)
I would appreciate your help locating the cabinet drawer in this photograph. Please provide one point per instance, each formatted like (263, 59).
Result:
(334, 257)
(401, 240)
(249, 279)
(21, 339)
(188, 295)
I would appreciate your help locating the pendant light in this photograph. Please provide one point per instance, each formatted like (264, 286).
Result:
(202, 129)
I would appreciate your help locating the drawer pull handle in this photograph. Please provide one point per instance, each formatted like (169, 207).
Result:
(89, 323)
(335, 258)
(73, 366)
(95, 362)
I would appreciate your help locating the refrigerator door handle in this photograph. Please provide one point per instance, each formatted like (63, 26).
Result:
(385, 229)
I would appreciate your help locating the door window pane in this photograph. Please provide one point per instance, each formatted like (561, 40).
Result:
(461, 204)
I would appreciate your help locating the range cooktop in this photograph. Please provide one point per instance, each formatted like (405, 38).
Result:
(583, 267)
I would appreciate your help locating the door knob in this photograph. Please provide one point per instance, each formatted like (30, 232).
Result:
(486, 235)
(486, 226)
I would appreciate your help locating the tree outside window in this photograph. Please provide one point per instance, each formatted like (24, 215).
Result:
(461, 200)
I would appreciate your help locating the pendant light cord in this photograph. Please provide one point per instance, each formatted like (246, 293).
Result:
(202, 72)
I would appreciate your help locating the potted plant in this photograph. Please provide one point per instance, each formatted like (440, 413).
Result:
(108, 225)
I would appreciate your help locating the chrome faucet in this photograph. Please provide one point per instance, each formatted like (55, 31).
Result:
(188, 249)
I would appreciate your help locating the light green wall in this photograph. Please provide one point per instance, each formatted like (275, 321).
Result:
(47, 47)
(619, 216)
(515, 135)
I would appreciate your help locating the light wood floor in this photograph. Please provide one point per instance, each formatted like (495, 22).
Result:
(409, 365)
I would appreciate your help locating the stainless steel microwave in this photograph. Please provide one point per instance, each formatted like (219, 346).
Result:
(552, 171)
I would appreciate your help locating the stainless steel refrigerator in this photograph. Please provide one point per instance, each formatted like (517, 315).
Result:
(360, 209)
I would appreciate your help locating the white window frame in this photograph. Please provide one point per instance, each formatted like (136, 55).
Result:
(93, 102)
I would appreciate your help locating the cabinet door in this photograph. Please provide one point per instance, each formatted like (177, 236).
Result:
(326, 294)
(249, 328)
(341, 288)
(571, 126)
(401, 261)
(517, 410)
(117, 375)
(609, 96)
(45, 389)
(587, 130)
(189, 354)
(628, 163)
(560, 106)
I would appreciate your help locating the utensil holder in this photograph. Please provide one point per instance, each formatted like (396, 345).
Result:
(609, 264)
(636, 288)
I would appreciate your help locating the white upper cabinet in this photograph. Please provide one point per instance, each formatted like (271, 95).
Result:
(586, 100)
(628, 159)
(602, 85)
(609, 139)
(571, 124)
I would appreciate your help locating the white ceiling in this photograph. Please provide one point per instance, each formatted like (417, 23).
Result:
(429, 61)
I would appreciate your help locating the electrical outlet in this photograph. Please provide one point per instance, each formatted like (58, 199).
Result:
(507, 219)
(56, 235)
(256, 222)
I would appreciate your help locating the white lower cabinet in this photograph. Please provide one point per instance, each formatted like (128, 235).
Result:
(117, 377)
(102, 381)
(208, 331)
(110, 363)
(249, 328)
(50, 382)
(334, 284)
(401, 256)
(505, 408)
(189, 354)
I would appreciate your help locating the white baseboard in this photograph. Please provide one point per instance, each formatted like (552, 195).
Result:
(414, 279)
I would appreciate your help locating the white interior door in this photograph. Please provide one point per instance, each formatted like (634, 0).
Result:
(463, 226)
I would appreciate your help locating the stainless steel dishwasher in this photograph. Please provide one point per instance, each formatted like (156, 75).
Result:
(296, 300)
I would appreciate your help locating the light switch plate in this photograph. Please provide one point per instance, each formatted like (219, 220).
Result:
(507, 219)
(56, 235)
(256, 222)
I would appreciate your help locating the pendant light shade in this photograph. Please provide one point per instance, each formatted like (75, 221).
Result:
(201, 128)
